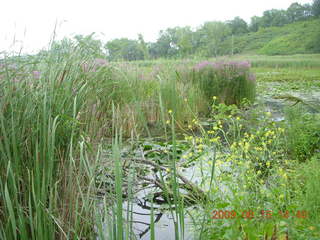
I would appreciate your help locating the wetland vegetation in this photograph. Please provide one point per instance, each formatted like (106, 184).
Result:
(188, 147)
(85, 142)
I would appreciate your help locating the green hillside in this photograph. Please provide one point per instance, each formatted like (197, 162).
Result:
(295, 38)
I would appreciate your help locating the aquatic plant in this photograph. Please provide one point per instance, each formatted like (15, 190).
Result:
(231, 82)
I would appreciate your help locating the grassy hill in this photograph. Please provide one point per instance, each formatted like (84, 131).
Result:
(295, 38)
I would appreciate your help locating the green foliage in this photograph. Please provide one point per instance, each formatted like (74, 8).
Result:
(302, 133)
(230, 82)
(297, 12)
(125, 49)
(238, 26)
(212, 35)
(41, 143)
(57, 106)
(89, 46)
(316, 8)
(290, 31)
(299, 37)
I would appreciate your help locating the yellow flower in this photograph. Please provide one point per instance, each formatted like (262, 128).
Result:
(214, 98)
(268, 163)
(259, 172)
(201, 146)
(167, 122)
(218, 162)
(215, 140)
(238, 118)
(168, 170)
(190, 154)
(189, 126)
(258, 148)
(210, 162)
(170, 111)
(246, 147)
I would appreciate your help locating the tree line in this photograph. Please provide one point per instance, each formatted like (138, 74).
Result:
(207, 40)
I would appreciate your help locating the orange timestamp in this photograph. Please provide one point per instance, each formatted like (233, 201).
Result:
(250, 214)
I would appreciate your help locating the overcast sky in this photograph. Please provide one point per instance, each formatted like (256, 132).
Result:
(30, 23)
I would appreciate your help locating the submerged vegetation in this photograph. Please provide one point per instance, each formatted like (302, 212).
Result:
(84, 142)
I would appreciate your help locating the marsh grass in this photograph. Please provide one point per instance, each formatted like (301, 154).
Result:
(303, 133)
(41, 150)
(55, 111)
(230, 82)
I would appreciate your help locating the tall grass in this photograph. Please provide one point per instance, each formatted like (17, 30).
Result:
(230, 82)
(55, 108)
(45, 177)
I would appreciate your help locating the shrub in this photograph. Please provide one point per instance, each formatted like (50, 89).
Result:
(302, 133)
(230, 82)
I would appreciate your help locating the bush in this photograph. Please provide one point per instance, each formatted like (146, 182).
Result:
(302, 133)
(230, 82)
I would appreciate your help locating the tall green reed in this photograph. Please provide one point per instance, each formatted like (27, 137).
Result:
(41, 189)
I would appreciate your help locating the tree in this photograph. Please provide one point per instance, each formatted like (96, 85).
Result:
(297, 12)
(316, 8)
(185, 41)
(238, 25)
(212, 35)
(125, 49)
(89, 46)
(166, 45)
(274, 17)
(255, 24)
(143, 46)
